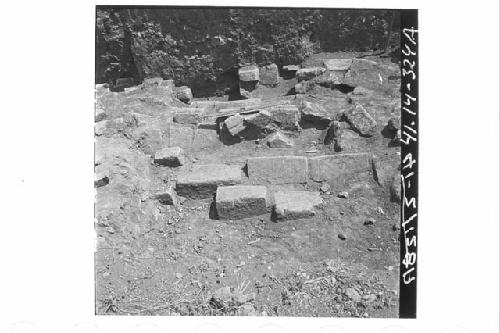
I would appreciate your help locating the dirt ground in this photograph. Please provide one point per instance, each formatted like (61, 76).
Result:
(156, 259)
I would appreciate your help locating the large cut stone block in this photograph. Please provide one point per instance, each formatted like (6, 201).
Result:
(249, 73)
(361, 120)
(337, 64)
(240, 201)
(289, 205)
(188, 115)
(269, 75)
(183, 94)
(202, 180)
(277, 169)
(304, 74)
(287, 116)
(333, 167)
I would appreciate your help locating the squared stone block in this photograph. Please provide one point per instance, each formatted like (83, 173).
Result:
(269, 75)
(335, 167)
(183, 94)
(277, 170)
(249, 73)
(202, 181)
(305, 74)
(290, 205)
(337, 64)
(172, 157)
(240, 201)
(287, 116)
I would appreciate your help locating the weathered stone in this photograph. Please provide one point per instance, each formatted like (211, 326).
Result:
(188, 115)
(269, 75)
(169, 84)
(333, 167)
(183, 94)
(304, 87)
(123, 83)
(152, 81)
(364, 72)
(186, 118)
(353, 295)
(277, 169)
(361, 120)
(172, 157)
(249, 73)
(333, 135)
(304, 74)
(279, 140)
(286, 116)
(240, 201)
(261, 119)
(100, 114)
(100, 127)
(288, 205)
(167, 196)
(101, 177)
(315, 113)
(202, 180)
(337, 64)
(234, 124)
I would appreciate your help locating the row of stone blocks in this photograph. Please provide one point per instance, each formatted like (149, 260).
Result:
(202, 180)
(241, 201)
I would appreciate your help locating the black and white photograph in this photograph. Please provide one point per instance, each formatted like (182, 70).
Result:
(248, 161)
(254, 167)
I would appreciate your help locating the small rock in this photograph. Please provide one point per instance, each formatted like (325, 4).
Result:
(325, 188)
(370, 221)
(343, 195)
(178, 275)
(342, 237)
(353, 294)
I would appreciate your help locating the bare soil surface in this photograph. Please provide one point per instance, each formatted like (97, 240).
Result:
(156, 259)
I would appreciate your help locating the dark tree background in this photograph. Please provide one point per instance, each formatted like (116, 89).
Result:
(202, 47)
